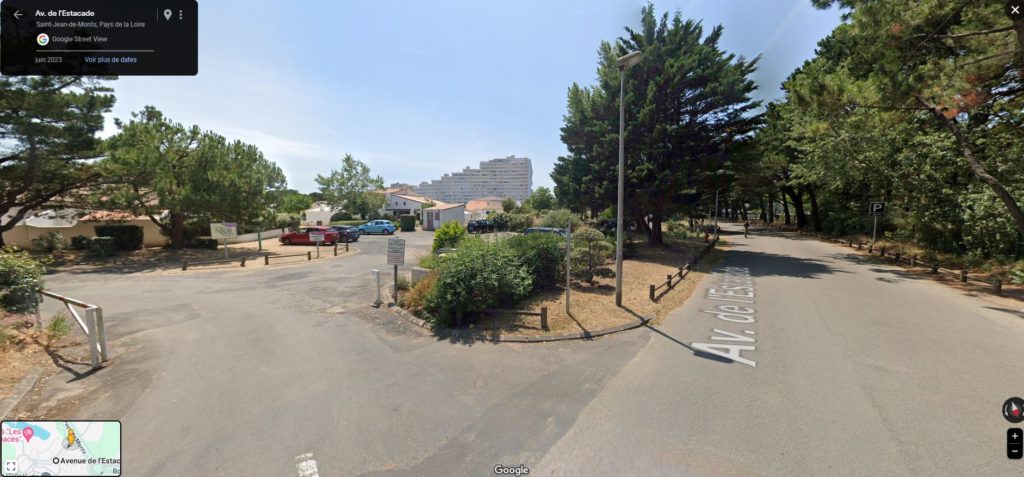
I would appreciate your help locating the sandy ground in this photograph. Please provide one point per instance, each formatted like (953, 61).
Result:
(593, 306)
(28, 350)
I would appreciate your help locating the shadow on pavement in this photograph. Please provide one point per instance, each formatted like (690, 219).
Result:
(763, 264)
(699, 354)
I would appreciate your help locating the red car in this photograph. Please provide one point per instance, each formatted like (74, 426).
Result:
(301, 236)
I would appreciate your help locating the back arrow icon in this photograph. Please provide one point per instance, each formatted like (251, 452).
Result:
(18, 14)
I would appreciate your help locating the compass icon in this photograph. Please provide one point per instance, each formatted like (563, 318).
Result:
(1013, 410)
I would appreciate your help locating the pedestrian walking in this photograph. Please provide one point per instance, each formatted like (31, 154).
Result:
(746, 227)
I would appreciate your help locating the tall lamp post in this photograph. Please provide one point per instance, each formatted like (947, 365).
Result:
(624, 62)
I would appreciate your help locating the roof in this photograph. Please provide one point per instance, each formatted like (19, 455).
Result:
(414, 198)
(445, 206)
(484, 204)
(108, 215)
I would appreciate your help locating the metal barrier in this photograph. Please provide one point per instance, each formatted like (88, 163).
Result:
(92, 325)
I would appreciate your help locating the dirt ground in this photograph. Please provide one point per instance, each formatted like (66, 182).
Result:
(166, 259)
(28, 350)
(593, 307)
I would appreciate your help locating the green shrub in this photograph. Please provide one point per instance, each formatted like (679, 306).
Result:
(80, 242)
(407, 223)
(207, 243)
(519, 222)
(353, 223)
(448, 235)
(543, 255)
(58, 327)
(589, 252)
(479, 276)
(428, 261)
(499, 219)
(49, 242)
(1017, 277)
(416, 298)
(558, 218)
(126, 237)
(404, 283)
(21, 280)
(102, 247)
(339, 216)
(284, 221)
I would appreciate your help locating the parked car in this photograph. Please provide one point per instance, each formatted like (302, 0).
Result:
(544, 230)
(480, 226)
(378, 227)
(347, 231)
(301, 235)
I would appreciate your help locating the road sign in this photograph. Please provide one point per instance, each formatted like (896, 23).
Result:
(877, 209)
(224, 230)
(316, 237)
(396, 251)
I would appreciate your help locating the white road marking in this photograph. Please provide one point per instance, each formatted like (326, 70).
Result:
(733, 286)
(306, 465)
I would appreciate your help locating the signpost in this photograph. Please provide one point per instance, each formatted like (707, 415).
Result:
(317, 237)
(224, 231)
(396, 257)
(877, 209)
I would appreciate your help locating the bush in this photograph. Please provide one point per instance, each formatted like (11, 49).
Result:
(589, 252)
(404, 283)
(102, 247)
(448, 235)
(499, 219)
(126, 237)
(519, 222)
(207, 243)
(558, 218)
(415, 300)
(543, 255)
(407, 223)
(284, 221)
(339, 216)
(428, 261)
(21, 280)
(481, 275)
(49, 242)
(58, 327)
(80, 242)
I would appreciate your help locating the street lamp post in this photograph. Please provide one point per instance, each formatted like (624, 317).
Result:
(624, 63)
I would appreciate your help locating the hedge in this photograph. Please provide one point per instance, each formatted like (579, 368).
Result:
(102, 247)
(126, 237)
(407, 223)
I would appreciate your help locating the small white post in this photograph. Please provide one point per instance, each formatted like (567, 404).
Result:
(378, 302)
(90, 324)
(225, 248)
(101, 329)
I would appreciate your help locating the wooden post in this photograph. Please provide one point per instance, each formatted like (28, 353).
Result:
(913, 260)
(243, 262)
(935, 267)
(897, 255)
(881, 252)
(871, 248)
(544, 318)
(963, 276)
(668, 281)
(184, 265)
(997, 286)
(650, 292)
(335, 249)
(266, 259)
(309, 256)
(860, 246)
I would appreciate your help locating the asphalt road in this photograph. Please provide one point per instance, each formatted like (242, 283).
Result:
(860, 370)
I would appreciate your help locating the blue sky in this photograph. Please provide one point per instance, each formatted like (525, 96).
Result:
(416, 89)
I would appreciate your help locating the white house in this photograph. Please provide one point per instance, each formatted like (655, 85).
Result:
(480, 208)
(319, 214)
(434, 217)
(399, 204)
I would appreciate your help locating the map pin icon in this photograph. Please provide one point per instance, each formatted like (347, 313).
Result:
(168, 13)
(28, 432)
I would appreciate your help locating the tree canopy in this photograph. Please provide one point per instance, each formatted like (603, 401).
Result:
(352, 187)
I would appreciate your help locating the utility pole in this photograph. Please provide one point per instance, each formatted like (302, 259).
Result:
(624, 62)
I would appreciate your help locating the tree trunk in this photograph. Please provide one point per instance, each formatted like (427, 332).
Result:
(177, 230)
(785, 207)
(764, 211)
(771, 207)
(796, 197)
(815, 213)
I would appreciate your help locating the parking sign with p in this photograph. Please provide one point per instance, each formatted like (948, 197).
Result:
(877, 209)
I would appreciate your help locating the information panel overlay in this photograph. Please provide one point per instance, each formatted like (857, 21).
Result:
(60, 448)
(109, 37)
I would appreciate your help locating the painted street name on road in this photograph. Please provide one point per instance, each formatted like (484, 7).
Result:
(735, 286)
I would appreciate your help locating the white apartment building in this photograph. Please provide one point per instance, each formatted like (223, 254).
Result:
(504, 177)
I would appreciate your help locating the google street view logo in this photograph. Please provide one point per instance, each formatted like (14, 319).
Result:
(43, 39)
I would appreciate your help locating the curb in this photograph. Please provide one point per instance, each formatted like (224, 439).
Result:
(20, 390)
(579, 335)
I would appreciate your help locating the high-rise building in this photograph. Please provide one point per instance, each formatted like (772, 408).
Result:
(504, 177)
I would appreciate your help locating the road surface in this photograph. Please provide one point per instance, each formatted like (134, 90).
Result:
(840, 366)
